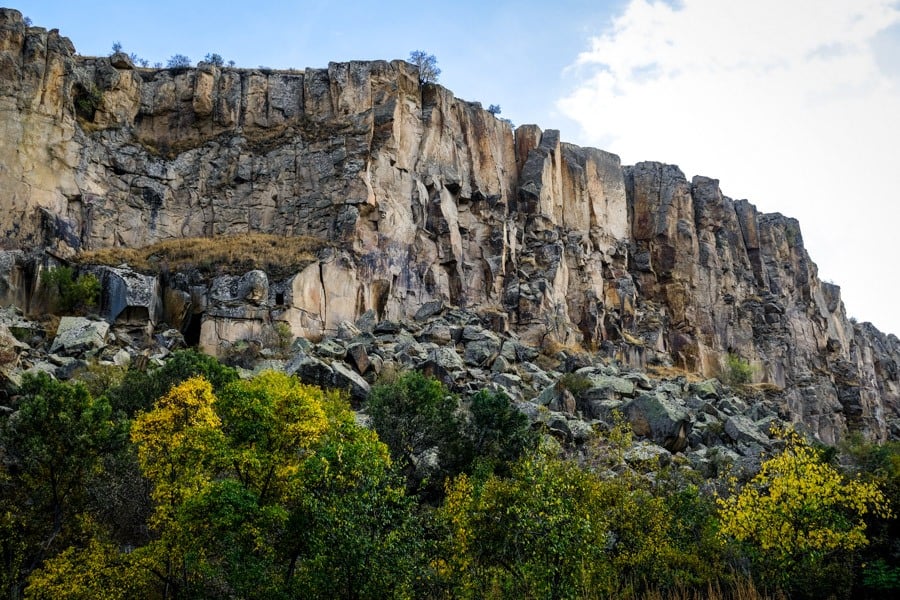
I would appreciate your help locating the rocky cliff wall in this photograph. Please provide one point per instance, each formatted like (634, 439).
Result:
(424, 197)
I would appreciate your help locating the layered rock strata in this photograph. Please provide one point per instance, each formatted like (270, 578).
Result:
(425, 198)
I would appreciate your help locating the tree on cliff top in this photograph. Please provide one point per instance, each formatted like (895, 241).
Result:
(427, 65)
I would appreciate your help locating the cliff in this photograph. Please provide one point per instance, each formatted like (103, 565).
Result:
(417, 196)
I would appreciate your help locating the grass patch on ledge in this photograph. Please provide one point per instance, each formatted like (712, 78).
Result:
(279, 256)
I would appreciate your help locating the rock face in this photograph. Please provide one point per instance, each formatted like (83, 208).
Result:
(428, 200)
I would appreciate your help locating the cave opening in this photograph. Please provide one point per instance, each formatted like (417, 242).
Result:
(192, 331)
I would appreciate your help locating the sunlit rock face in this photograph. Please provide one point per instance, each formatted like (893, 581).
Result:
(424, 197)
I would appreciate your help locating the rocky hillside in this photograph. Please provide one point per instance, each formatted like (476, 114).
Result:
(413, 199)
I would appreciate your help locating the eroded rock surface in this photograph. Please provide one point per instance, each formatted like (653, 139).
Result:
(430, 201)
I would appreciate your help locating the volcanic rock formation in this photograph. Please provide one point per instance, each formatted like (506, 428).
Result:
(420, 198)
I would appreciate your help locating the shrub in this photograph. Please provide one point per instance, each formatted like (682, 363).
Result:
(73, 294)
(738, 371)
(415, 415)
(575, 383)
(139, 390)
(87, 101)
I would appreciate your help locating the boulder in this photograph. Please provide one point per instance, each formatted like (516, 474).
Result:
(656, 416)
(77, 335)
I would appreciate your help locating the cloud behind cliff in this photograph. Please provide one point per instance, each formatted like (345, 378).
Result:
(793, 105)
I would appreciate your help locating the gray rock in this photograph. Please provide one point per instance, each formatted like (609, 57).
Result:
(345, 378)
(708, 389)
(347, 331)
(253, 287)
(331, 348)
(310, 370)
(359, 357)
(436, 332)
(657, 417)
(77, 335)
(742, 431)
(481, 352)
(429, 309)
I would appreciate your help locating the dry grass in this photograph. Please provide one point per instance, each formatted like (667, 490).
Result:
(664, 372)
(279, 256)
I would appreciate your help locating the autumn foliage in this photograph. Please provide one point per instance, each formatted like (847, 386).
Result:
(265, 487)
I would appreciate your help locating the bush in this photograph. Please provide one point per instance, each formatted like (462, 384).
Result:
(799, 520)
(87, 101)
(738, 371)
(416, 415)
(73, 294)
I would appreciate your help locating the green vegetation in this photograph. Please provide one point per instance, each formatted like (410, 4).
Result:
(187, 482)
(72, 294)
(737, 370)
(87, 101)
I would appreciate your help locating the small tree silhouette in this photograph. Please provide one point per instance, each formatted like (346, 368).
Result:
(427, 65)
(179, 61)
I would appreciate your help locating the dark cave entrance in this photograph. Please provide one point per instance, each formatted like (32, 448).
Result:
(192, 331)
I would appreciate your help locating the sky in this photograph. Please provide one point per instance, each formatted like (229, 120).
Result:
(793, 105)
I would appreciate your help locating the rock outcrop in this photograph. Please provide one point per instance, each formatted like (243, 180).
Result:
(427, 200)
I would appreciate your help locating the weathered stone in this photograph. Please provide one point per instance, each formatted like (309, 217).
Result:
(742, 430)
(76, 335)
(429, 309)
(359, 357)
(345, 378)
(425, 200)
(253, 287)
(655, 416)
(331, 348)
(482, 352)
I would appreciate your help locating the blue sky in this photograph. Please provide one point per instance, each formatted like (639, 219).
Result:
(792, 105)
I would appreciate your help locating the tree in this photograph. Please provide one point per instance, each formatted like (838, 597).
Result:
(116, 47)
(798, 517)
(416, 417)
(494, 109)
(214, 59)
(178, 61)
(497, 433)
(426, 64)
(51, 448)
(268, 489)
(139, 390)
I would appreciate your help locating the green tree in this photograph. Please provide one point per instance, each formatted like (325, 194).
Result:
(496, 433)
(416, 415)
(541, 533)
(51, 448)
(140, 389)
(268, 490)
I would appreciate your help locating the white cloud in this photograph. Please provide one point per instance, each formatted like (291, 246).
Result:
(784, 102)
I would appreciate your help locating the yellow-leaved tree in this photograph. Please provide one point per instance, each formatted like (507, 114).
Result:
(799, 517)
